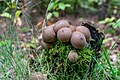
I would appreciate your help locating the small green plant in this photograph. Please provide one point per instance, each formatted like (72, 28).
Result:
(5, 9)
(115, 23)
(54, 7)
(2, 43)
(7, 6)
(107, 20)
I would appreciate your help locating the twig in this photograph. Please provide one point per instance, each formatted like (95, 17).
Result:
(44, 22)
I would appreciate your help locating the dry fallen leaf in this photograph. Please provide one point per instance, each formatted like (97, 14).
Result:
(18, 21)
(39, 24)
(38, 76)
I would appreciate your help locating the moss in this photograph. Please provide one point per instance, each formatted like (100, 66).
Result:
(55, 62)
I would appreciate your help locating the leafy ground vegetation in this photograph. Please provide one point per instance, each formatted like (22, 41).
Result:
(21, 53)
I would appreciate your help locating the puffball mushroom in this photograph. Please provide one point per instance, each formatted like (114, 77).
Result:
(73, 28)
(60, 24)
(85, 31)
(64, 34)
(73, 56)
(78, 40)
(48, 34)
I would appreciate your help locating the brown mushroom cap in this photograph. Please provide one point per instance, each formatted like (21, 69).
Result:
(73, 56)
(48, 34)
(73, 28)
(85, 31)
(78, 40)
(60, 24)
(64, 34)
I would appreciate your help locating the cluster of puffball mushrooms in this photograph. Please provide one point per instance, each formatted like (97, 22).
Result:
(64, 32)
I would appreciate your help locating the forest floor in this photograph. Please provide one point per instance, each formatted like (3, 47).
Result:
(25, 29)
(28, 32)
